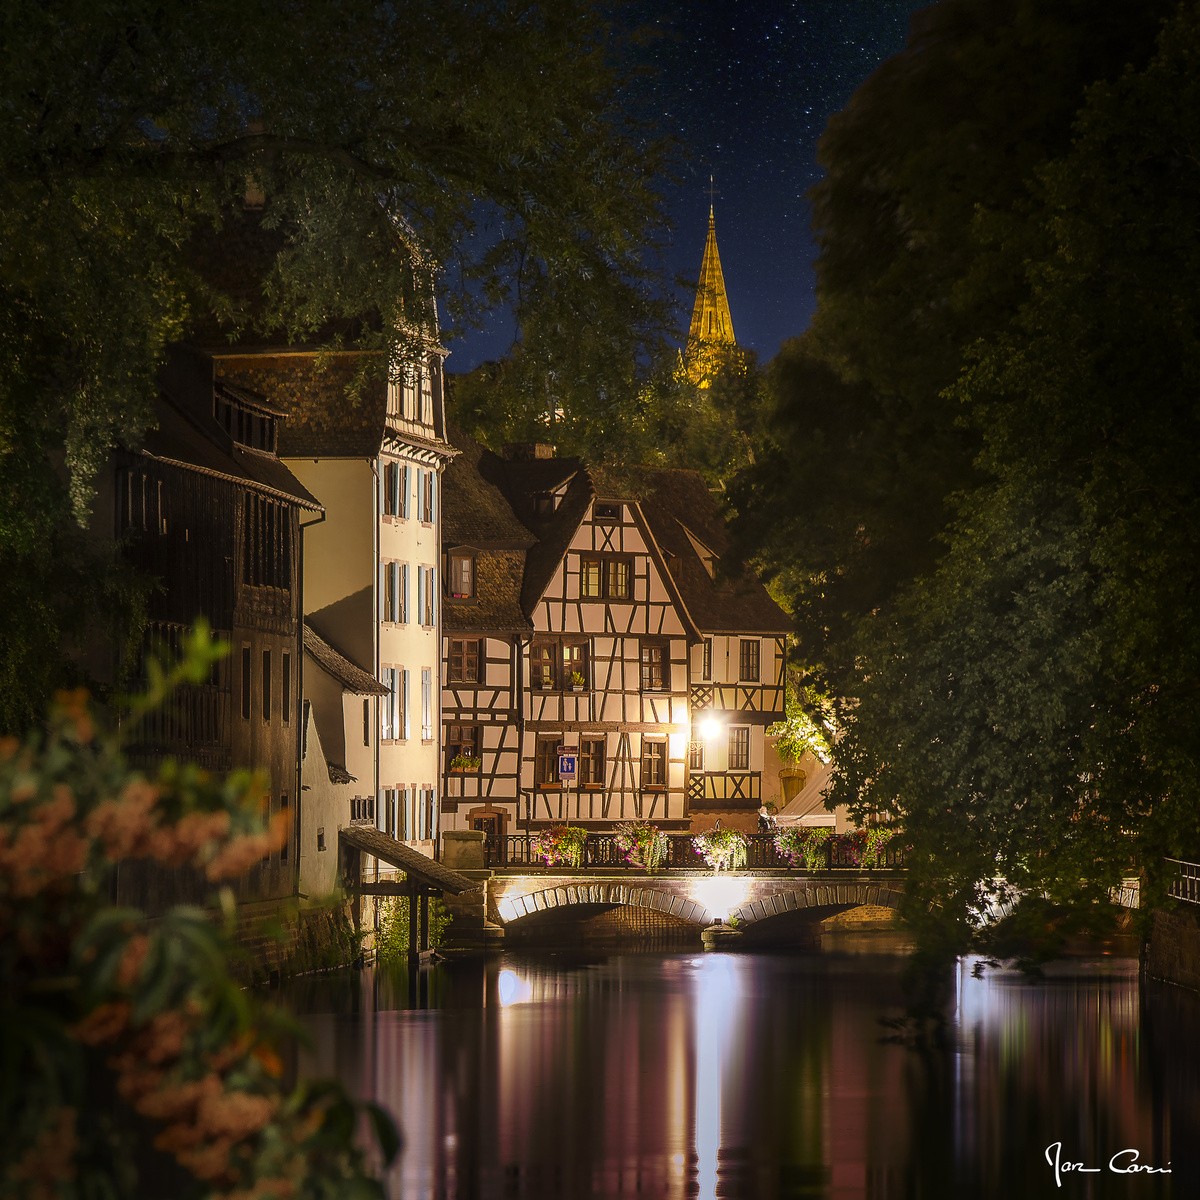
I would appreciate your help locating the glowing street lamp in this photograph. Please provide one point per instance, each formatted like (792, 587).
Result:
(710, 727)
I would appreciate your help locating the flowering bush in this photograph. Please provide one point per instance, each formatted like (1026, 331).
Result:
(643, 844)
(99, 1004)
(805, 846)
(560, 845)
(875, 844)
(722, 849)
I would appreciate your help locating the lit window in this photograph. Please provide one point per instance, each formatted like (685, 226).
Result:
(618, 578)
(426, 704)
(575, 665)
(605, 577)
(544, 666)
(590, 578)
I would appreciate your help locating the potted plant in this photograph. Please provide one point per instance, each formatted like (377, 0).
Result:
(643, 844)
(804, 847)
(721, 849)
(576, 681)
(463, 762)
(560, 845)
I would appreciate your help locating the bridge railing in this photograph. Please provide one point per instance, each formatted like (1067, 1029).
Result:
(600, 852)
(1185, 883)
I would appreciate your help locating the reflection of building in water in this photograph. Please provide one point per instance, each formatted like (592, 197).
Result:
(698, 1075)
(1043, 1044)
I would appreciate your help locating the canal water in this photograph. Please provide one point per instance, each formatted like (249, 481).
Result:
(766, 1076)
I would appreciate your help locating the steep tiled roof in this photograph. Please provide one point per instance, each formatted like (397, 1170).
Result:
(334, 663)
(678, 502)
(475, 511)
(332, 412)
(475, 514)
(555, 535)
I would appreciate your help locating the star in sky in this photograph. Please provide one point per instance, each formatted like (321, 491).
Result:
(747, 87)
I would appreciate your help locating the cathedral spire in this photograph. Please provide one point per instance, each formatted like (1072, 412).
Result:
(710, 337)
(711, 321)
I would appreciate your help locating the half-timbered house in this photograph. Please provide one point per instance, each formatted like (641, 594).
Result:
(609, 631)
(736, 669)
(486, 635)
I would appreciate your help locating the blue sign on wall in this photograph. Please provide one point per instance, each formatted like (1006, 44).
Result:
(568, 762)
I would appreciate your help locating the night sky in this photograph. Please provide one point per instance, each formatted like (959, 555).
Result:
(747, 86)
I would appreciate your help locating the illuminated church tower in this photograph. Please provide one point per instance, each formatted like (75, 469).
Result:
(710, 343)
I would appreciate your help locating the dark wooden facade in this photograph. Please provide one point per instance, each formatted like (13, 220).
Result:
(217, 526)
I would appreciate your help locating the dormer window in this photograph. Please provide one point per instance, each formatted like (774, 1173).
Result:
(247, 423)
(461, 576)
(544, 503)
(607, 514)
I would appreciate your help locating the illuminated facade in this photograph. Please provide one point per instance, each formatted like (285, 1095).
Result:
(585, 615)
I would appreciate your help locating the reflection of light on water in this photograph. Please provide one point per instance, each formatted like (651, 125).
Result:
(721, 895)
(512, 988)
(716, 1008)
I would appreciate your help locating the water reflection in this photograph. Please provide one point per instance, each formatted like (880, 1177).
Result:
(745, 1075)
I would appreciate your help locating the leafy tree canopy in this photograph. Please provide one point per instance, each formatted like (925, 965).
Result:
(129, 131)
(1024, 697)
(850, 495)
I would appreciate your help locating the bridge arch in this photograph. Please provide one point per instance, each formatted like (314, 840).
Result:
(697, 900)
(668, 900)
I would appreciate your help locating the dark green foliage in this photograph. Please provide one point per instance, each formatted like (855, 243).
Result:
(983, 475)
(391, 940)
(130, 132)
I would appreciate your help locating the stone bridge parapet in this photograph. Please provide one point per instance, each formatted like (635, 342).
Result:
(698, 898)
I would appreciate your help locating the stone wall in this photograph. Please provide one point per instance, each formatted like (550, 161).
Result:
(282, 940)
(1173, 950)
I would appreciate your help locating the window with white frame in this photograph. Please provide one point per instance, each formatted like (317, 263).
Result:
(426, 704)
(462, 575)
(395, 592)
(427, 594)
(654, 762)
(393, 707)
(748, 660)
(425, 494)
(739, 748)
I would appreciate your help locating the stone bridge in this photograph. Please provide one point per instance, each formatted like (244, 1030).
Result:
(699, 898)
